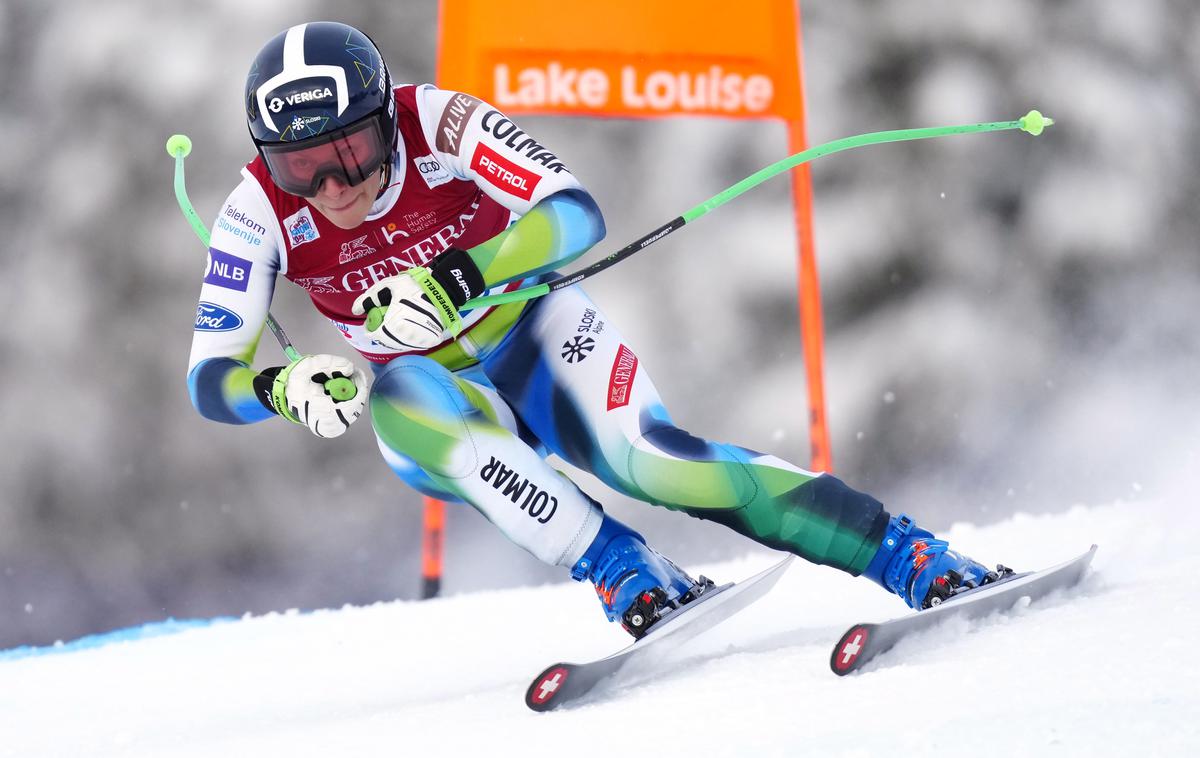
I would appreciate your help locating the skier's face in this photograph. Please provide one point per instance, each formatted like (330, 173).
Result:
(344, 205)
(338, 171)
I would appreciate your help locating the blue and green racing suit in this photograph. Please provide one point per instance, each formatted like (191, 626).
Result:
(473, 419)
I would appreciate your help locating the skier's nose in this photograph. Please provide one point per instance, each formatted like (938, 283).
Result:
(332, 186)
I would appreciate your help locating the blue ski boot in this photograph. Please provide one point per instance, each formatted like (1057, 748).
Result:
(922, 569)
(636, 584)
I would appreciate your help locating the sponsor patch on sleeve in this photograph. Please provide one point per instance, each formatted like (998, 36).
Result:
(228, 271)
(620, 381)
(503, 173)
(453, 122)
(211, 317)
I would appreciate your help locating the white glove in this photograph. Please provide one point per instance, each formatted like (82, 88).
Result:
(409, 311)
(326, 393)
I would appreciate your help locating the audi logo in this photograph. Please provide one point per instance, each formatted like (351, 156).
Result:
(426, 167)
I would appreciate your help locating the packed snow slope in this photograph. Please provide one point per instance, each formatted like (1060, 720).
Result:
(1107, 669)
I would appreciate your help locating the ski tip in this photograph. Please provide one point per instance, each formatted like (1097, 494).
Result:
(542, 694)
(848, 652)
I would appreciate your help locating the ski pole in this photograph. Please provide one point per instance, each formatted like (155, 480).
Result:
(178, 147)
(1033, 123)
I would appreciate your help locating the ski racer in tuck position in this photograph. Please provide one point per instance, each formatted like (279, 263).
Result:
(402, 203)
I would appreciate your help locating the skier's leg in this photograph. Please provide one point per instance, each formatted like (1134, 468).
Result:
(591, 401)
(455, 437)
(413, 475)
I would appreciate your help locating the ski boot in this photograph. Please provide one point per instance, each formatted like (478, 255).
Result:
(924, 570)
(635, 584)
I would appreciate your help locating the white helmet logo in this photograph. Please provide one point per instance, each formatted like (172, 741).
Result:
(294, 68)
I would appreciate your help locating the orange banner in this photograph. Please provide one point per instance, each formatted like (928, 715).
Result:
(628, 58)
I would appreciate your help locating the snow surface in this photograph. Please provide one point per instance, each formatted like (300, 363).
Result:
(1110, 669)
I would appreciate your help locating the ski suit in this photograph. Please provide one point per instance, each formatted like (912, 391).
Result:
(473, 418)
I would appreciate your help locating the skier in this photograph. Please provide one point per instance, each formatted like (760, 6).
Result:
(394, 205)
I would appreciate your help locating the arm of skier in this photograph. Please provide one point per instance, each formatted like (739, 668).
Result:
(559, 221)
(239, 281)
(557, 230)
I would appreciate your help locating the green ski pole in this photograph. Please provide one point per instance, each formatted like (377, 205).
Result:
(1033, 123)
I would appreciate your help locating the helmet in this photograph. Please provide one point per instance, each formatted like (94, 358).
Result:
(319, 103)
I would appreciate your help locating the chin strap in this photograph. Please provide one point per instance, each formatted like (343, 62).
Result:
(385, 171)
(385, 176)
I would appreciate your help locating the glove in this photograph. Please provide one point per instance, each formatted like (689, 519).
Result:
(326, 393)
(414, 310)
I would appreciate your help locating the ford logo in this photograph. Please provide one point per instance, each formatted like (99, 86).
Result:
(211, 317)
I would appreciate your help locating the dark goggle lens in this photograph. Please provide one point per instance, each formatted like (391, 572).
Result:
(350, 155)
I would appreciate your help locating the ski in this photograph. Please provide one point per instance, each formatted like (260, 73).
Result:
(863, 642)
(564, 683)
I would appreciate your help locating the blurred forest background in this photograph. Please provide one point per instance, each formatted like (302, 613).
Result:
(1010, 322)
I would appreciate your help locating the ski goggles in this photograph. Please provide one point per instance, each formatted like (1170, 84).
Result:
(350, 155)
